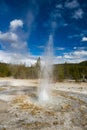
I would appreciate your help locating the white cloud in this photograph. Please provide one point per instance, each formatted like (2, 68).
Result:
(58, 60)
(79, 48)
(60, 48)
(80, 53)
(8, 37)
(72, 57)
(4, 57)
(12, 40)
(75, 36)
(71, 4)
(68, 56)
(78, 14)
(75, 56)
(41, 47)
(84, 39)
(74, 48)
(15, 24)
(15, 58)
(15, 46)
(19, 45)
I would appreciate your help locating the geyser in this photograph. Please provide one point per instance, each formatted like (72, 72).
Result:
(46, 72)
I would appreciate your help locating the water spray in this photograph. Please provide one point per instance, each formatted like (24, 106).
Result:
(47, 72)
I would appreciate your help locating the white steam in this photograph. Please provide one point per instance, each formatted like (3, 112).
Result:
(46, 72)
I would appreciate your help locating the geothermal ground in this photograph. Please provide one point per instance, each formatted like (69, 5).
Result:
(20, 108)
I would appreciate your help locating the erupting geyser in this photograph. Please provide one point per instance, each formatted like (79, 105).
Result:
(46, 72)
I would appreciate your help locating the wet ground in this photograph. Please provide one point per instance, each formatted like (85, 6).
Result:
(20, 108)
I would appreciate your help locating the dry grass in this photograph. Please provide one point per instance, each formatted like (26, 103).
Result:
(23, 104)
(58, 122)
(66, 107)
(19, 99)
(33, 108)
(50, 113)
(36, 125)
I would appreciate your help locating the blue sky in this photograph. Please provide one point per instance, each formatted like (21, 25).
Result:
(25, 26)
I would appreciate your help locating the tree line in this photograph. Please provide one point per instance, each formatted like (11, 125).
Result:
(60, 72)
(77, 72)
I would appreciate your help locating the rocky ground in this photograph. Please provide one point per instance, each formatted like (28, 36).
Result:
(21, 110)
